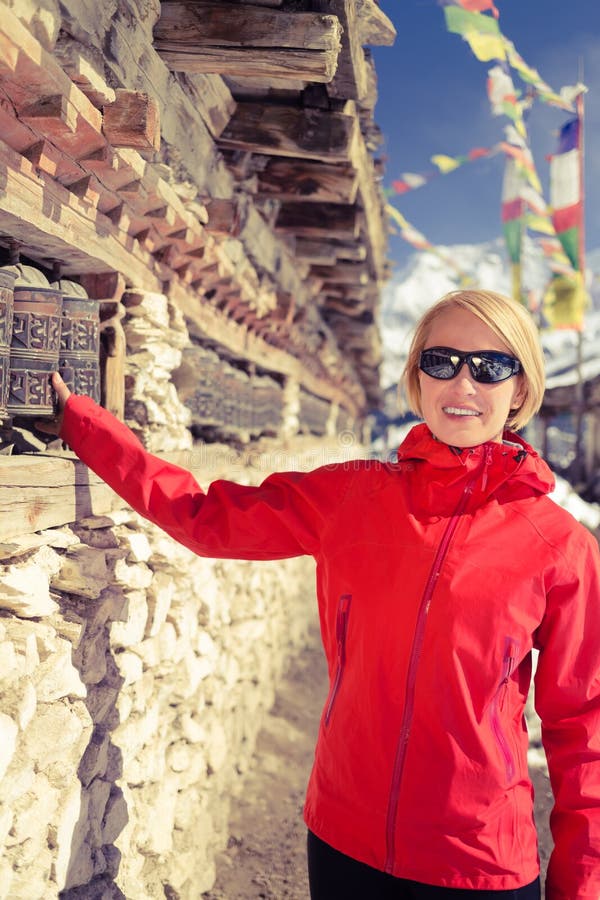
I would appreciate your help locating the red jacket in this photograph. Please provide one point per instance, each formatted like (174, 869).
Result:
(436, 576)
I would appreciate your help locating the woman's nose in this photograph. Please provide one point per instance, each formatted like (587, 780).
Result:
(465, 380)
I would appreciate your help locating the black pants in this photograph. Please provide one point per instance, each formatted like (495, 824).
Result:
(334, 876)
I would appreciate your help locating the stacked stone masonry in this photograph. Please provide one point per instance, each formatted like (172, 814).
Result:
(134, 677)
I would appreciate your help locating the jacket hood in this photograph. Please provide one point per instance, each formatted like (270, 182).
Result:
(509, 470)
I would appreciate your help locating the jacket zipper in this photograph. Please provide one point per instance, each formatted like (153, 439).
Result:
(341, 628)
(511, 649)
(411, 677)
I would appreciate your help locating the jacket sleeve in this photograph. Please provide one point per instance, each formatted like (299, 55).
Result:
(567, 692)
(283, 517)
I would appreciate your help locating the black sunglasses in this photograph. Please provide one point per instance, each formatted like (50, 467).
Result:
(486, 366)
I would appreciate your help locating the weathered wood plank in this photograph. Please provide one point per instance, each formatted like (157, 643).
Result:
(213, 100)
(375, 27)
(350, 79)
(343, 273)
(319, 253)
(53, 223)
(349, 251)
(286, 65)
(196, 24)
(42, 492)
(84, 67)
(371, 202)
(314, 220)
(132, 120)
(300, 179)
(208, 321)
(43, 94)
(289, 131)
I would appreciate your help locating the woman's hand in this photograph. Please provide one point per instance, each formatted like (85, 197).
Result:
(53, 426)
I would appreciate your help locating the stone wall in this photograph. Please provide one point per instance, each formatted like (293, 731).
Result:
(134, 677)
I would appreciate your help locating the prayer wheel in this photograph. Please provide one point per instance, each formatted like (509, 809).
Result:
(7, 281)
(79, 353)
(34, 345)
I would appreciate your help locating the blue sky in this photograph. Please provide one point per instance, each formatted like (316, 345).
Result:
(433, 99)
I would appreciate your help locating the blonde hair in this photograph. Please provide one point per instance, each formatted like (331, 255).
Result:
(510, 322)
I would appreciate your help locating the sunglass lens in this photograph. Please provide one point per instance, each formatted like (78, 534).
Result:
(438, 364)
(489, 368)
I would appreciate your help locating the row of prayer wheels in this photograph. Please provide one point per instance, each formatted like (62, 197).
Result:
(43, 328)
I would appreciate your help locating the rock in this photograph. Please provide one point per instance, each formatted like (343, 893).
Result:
(159, 597)
(83, 572)
(24, 589)
(56, 676)
(115, 816)
(131, 632)
(8, 742)
(130, 667)
(132, 577)
(94, 761)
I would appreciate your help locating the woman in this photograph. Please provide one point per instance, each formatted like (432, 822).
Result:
(436, 577)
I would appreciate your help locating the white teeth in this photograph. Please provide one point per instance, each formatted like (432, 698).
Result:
(460, 411)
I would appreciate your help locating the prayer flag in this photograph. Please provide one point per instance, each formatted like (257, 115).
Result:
(541, 224)
(480, 31)
(513, 208)
(445, 163)
(474, 5)
(565, 301)
(565, 190)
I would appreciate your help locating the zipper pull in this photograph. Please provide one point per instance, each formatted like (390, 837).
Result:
(486, 463)
(342, 621)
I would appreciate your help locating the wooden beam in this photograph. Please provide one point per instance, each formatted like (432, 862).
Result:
(53, 223)
(228, 39)
(374, 26)
(290, 131)
(84, 67)
(40, 90)
(316, 220)
(371, 202)
(300, 179)
(350, 251)
(350, 79)
(318, 253)
(199, 23)
(206, 320)
(343, 273)
(38, 492)
(213, 100)
(132, 121)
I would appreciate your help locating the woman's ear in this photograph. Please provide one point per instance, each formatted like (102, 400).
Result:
(519, 393)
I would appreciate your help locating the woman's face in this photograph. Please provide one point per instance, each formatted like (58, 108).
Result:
(460, 411)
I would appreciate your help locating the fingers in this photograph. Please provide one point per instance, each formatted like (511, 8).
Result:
(54, 425)
(62, 391)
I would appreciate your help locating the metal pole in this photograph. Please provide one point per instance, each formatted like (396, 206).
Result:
(579, 466)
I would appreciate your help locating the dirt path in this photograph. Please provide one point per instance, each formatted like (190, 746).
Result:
(266, 856)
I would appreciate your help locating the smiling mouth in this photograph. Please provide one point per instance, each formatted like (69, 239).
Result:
(460, 411)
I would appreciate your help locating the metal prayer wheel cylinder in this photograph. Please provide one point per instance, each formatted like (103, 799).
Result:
(79, 353)
(7, 281)
(34, 350)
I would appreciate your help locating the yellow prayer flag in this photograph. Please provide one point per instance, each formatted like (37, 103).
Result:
(397, 216)
(565, 301)
(539, 223)
(444, 163)
(486, 46)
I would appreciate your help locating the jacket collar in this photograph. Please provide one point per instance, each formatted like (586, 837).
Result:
(510, 470)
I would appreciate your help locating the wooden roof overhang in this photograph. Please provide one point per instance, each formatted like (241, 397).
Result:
(273, 246)
(299, 142)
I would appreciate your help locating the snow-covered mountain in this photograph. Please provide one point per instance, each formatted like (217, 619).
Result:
(427, 277)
